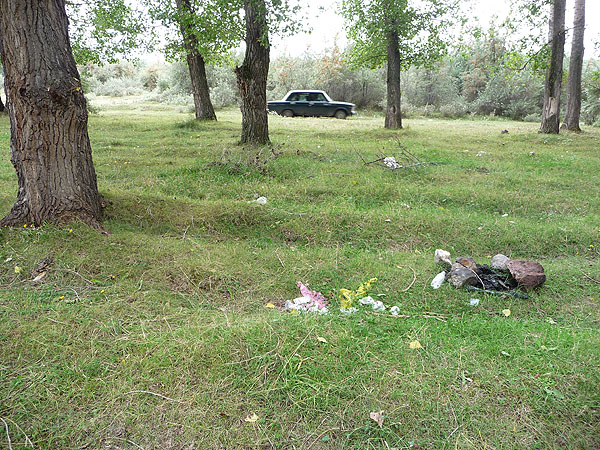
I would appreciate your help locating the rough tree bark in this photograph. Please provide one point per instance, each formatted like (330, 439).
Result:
(573, 113)
(554, 74)
(393, 113)
(252, 75)
(50, 147)
(202, 104)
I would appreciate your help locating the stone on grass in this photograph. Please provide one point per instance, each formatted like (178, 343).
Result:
(442, 257)
(467, 262)
(460, 276)
(529, 274)
(499, 262)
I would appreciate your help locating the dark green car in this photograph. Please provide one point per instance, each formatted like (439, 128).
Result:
(310, 103)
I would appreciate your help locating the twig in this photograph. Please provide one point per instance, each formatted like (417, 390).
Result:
(152, 393)
(126, 440)
(413, 281)
(321, 435)
(7, 433)
(282, 264)
(56, 321)
(590, 278)
(27, 440)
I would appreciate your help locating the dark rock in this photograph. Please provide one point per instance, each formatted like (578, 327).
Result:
(460, 276)
(529, 274)
(467, 262)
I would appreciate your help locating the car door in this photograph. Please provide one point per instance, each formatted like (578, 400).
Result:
(318, 105)
(299, 103)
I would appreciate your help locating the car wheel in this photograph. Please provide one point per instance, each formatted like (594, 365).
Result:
(340, 114)
(287, 113)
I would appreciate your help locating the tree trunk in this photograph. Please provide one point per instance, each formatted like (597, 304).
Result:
(393, 113)
(575, 70)
(554, 74)
(252, 75)
(2, 108)
(50, 147)
(203, 105)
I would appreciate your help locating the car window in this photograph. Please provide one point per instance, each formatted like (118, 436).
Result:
(316, 97)
(299, 97)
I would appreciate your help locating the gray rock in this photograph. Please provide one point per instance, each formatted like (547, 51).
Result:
(460, 276)
(529, 274)
(442, 257)
(499, 262)
(467, 262)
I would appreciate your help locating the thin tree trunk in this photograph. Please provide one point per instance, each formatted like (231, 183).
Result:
(554, 74)
(393, 113)
(252, 75)
(49, 140)
(203, 105)
(575, 70)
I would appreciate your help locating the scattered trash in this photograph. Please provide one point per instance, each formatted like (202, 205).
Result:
(251, 418)
(322, 339)
(405, 160)
(503, 353)
(348, 297)
(439, 279)
(311, 301)
(377, 305)
(270, 305)
(259, 200)
(391, 162)
(480, 154)
(506, 312)
(17, 270)
(474, 302)
(8, 260)
(377, 417)
(504, 132)
(394, 310)
(504, 215)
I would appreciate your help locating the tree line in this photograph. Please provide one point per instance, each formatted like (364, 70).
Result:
(50, 147)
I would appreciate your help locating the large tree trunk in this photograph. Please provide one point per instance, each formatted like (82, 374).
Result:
(393, 113)
(202, 103)
(252, 75)
(554, 74)
(575, 70)
(49, 140)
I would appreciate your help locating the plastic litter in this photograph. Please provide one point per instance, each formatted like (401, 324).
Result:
(394, 310)
(391, 162)
(474, 302)
(311, 301)
(437, 282)
(259, 200)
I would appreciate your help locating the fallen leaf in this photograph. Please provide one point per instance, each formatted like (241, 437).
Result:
(322, 339)
(270, 305)
(415, 345)
(377, 417)
(506, 312)
(251, 419)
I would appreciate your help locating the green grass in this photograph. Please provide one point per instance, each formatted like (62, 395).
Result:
(171, 300)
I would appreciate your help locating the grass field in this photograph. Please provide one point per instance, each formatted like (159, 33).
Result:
(155, 335)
